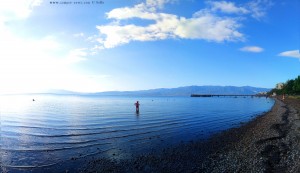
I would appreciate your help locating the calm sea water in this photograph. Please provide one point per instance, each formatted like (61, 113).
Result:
(55, 133)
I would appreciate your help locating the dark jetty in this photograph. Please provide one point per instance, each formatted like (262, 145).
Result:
(228, 95)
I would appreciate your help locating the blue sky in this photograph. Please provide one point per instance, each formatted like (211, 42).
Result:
(143, 44)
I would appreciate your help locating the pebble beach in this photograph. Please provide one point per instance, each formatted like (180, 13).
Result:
(268, 143)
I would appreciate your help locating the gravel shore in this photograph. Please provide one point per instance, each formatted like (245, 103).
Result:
(269, 143)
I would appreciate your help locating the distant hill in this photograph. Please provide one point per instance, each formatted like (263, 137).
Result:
(188, 90)
(181, 91)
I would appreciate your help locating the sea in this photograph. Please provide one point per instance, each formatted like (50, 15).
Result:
(54, 133)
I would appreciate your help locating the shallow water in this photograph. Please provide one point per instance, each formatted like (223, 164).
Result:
(55, 133)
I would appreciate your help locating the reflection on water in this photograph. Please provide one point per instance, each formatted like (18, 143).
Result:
(59, 132)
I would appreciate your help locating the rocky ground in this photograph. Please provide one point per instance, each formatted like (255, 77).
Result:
(269, 143)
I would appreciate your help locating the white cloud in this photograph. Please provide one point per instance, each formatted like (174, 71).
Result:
(203, 25)
(14, 10)
(227, 7)
(75, 56)
(254, 49)
(208, 27)
(17, 9)
(258, 8)
(210, 23)
(139, 11)
(81, 34)
(143, 10)
(291, 53)
(255, 8)
(146, 10)
(158, 3)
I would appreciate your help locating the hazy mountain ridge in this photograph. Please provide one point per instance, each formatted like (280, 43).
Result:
(188, 90)
(180, 91)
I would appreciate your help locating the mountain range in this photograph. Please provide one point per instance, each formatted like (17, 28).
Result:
(180, 91)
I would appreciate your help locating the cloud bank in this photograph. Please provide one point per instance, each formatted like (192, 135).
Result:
(220, 21)
(291, 53)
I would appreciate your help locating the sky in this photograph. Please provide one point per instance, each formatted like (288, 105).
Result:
(124, 45)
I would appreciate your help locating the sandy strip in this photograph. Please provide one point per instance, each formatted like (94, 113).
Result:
(269, 143)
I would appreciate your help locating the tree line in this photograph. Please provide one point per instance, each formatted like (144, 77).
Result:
(291, 87)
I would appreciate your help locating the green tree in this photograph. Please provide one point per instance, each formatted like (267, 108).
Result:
(288, 87)
(296, 86)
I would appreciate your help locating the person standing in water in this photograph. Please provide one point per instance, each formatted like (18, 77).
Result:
(137, 107)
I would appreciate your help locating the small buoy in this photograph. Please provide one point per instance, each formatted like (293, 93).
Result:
(33, 100)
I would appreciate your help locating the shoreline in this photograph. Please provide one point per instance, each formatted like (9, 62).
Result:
(268, 143)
